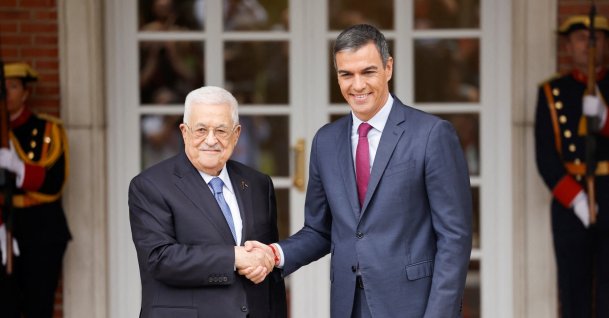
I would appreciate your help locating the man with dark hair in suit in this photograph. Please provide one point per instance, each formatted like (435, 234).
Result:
(388, 197)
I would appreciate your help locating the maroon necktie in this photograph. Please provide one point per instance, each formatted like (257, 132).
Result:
(362, 162)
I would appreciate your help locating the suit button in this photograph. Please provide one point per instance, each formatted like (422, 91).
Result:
(353, 268)
(244, 308)
(225, 279)
(359, 235)
(211, 279)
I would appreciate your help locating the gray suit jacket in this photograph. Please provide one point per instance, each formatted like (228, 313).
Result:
(412, 237)
(186, 250)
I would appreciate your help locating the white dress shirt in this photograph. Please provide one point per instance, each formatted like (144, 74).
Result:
(229, 197)
(377, 122)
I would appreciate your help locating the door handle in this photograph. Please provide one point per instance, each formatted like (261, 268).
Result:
(299, 165)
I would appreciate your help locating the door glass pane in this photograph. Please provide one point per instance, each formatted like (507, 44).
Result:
(160, 138)
(244, 15)
(471, 295)
(446, 14)
(169, 70)
(468, 130)
(447, 70)
(476, 217)
(170, 15)
(257, 72)
(336, 96)
(264, 144)
(344, 13)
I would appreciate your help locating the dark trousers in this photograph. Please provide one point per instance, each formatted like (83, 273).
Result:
(582, 257)
(360, 304)
(30, 291)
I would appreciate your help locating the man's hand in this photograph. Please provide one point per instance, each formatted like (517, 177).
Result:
(255, 264)
(3, 244)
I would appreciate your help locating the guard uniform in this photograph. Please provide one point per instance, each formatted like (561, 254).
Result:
(582, 254)
(39, 223)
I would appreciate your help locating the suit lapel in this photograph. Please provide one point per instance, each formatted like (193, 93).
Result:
(244, 200)
(389, 139)
(345, 155)
(193, 186)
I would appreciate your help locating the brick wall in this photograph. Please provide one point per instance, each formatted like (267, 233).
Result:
(28, 33)
(567, 8)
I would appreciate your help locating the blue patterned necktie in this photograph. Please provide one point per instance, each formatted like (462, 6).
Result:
(217, 184)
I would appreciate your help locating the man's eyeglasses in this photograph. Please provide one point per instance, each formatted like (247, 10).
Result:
(219, 132)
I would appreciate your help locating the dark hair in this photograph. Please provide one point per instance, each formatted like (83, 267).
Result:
(359, 35)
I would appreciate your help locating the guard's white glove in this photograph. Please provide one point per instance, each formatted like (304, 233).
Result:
(593, 107)
(10, 160)
(3, 244)
(581, 208)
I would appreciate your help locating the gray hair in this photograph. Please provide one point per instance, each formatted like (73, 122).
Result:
(211, 95)
(359, 35)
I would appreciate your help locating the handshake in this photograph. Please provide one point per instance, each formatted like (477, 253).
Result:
(254, 260)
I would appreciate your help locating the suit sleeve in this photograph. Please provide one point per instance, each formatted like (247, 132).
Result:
(450, 200)
(159, 252)
(313, 241)
(563, 186)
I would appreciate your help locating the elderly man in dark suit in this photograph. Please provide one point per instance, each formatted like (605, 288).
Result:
(189, 215)
(388, 197)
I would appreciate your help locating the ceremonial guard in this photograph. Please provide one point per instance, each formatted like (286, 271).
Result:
(573, 160)
(38, 157)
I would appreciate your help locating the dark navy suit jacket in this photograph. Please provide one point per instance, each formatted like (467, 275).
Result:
(412, 237)
(186, 250)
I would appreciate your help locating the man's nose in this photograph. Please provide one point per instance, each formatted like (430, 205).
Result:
(211, 138)
(359, 83)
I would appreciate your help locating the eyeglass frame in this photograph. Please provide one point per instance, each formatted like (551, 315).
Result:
(210, 129)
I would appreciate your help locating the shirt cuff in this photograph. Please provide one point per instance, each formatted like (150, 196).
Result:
(281, 257)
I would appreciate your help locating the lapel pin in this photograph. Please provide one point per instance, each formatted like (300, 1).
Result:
(243, 185)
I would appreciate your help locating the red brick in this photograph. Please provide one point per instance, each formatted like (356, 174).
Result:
(45, 15)
(8, 3)
(19, 40)
(9, 53)
(8, 27)
(38, 3)
(46, 64)
(45, 103)
(46, 91)
(14, 14)
(43, 52)
(45, 39)
(39, 27)
(50, 78)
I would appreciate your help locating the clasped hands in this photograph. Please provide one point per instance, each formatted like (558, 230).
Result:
(254, 260)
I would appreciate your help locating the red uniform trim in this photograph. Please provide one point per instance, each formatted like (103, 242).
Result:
(22, 119)
(33, 178)
(565, 190)
(583, 77)
(605, 130)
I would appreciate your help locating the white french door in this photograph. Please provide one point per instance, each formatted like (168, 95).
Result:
(275, 57)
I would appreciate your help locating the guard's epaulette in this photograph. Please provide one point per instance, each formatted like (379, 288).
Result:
(551, 78)
(50, 118)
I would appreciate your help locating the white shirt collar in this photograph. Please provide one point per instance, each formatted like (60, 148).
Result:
(223, 176)
(379, 120)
